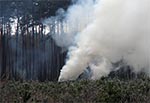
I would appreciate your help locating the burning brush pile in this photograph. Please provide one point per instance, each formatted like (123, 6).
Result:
(108, 56)
(107, 32)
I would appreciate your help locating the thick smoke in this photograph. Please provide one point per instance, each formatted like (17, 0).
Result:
(119, 30)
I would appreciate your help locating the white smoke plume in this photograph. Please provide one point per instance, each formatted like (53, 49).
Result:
(120, 30)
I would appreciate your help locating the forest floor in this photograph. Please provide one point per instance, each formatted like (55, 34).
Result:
(84, 91)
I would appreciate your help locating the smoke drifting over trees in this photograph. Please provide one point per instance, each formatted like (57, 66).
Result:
(27, 50)
(100, 36)
(118, 31)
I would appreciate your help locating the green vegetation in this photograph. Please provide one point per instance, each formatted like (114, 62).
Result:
(84, 91)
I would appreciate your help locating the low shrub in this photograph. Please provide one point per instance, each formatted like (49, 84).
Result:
(85, 91)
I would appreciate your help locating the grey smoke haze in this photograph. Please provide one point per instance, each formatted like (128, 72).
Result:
(75, 19)
(106, 32)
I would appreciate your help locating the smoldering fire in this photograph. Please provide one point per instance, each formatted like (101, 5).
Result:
(102, 32)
